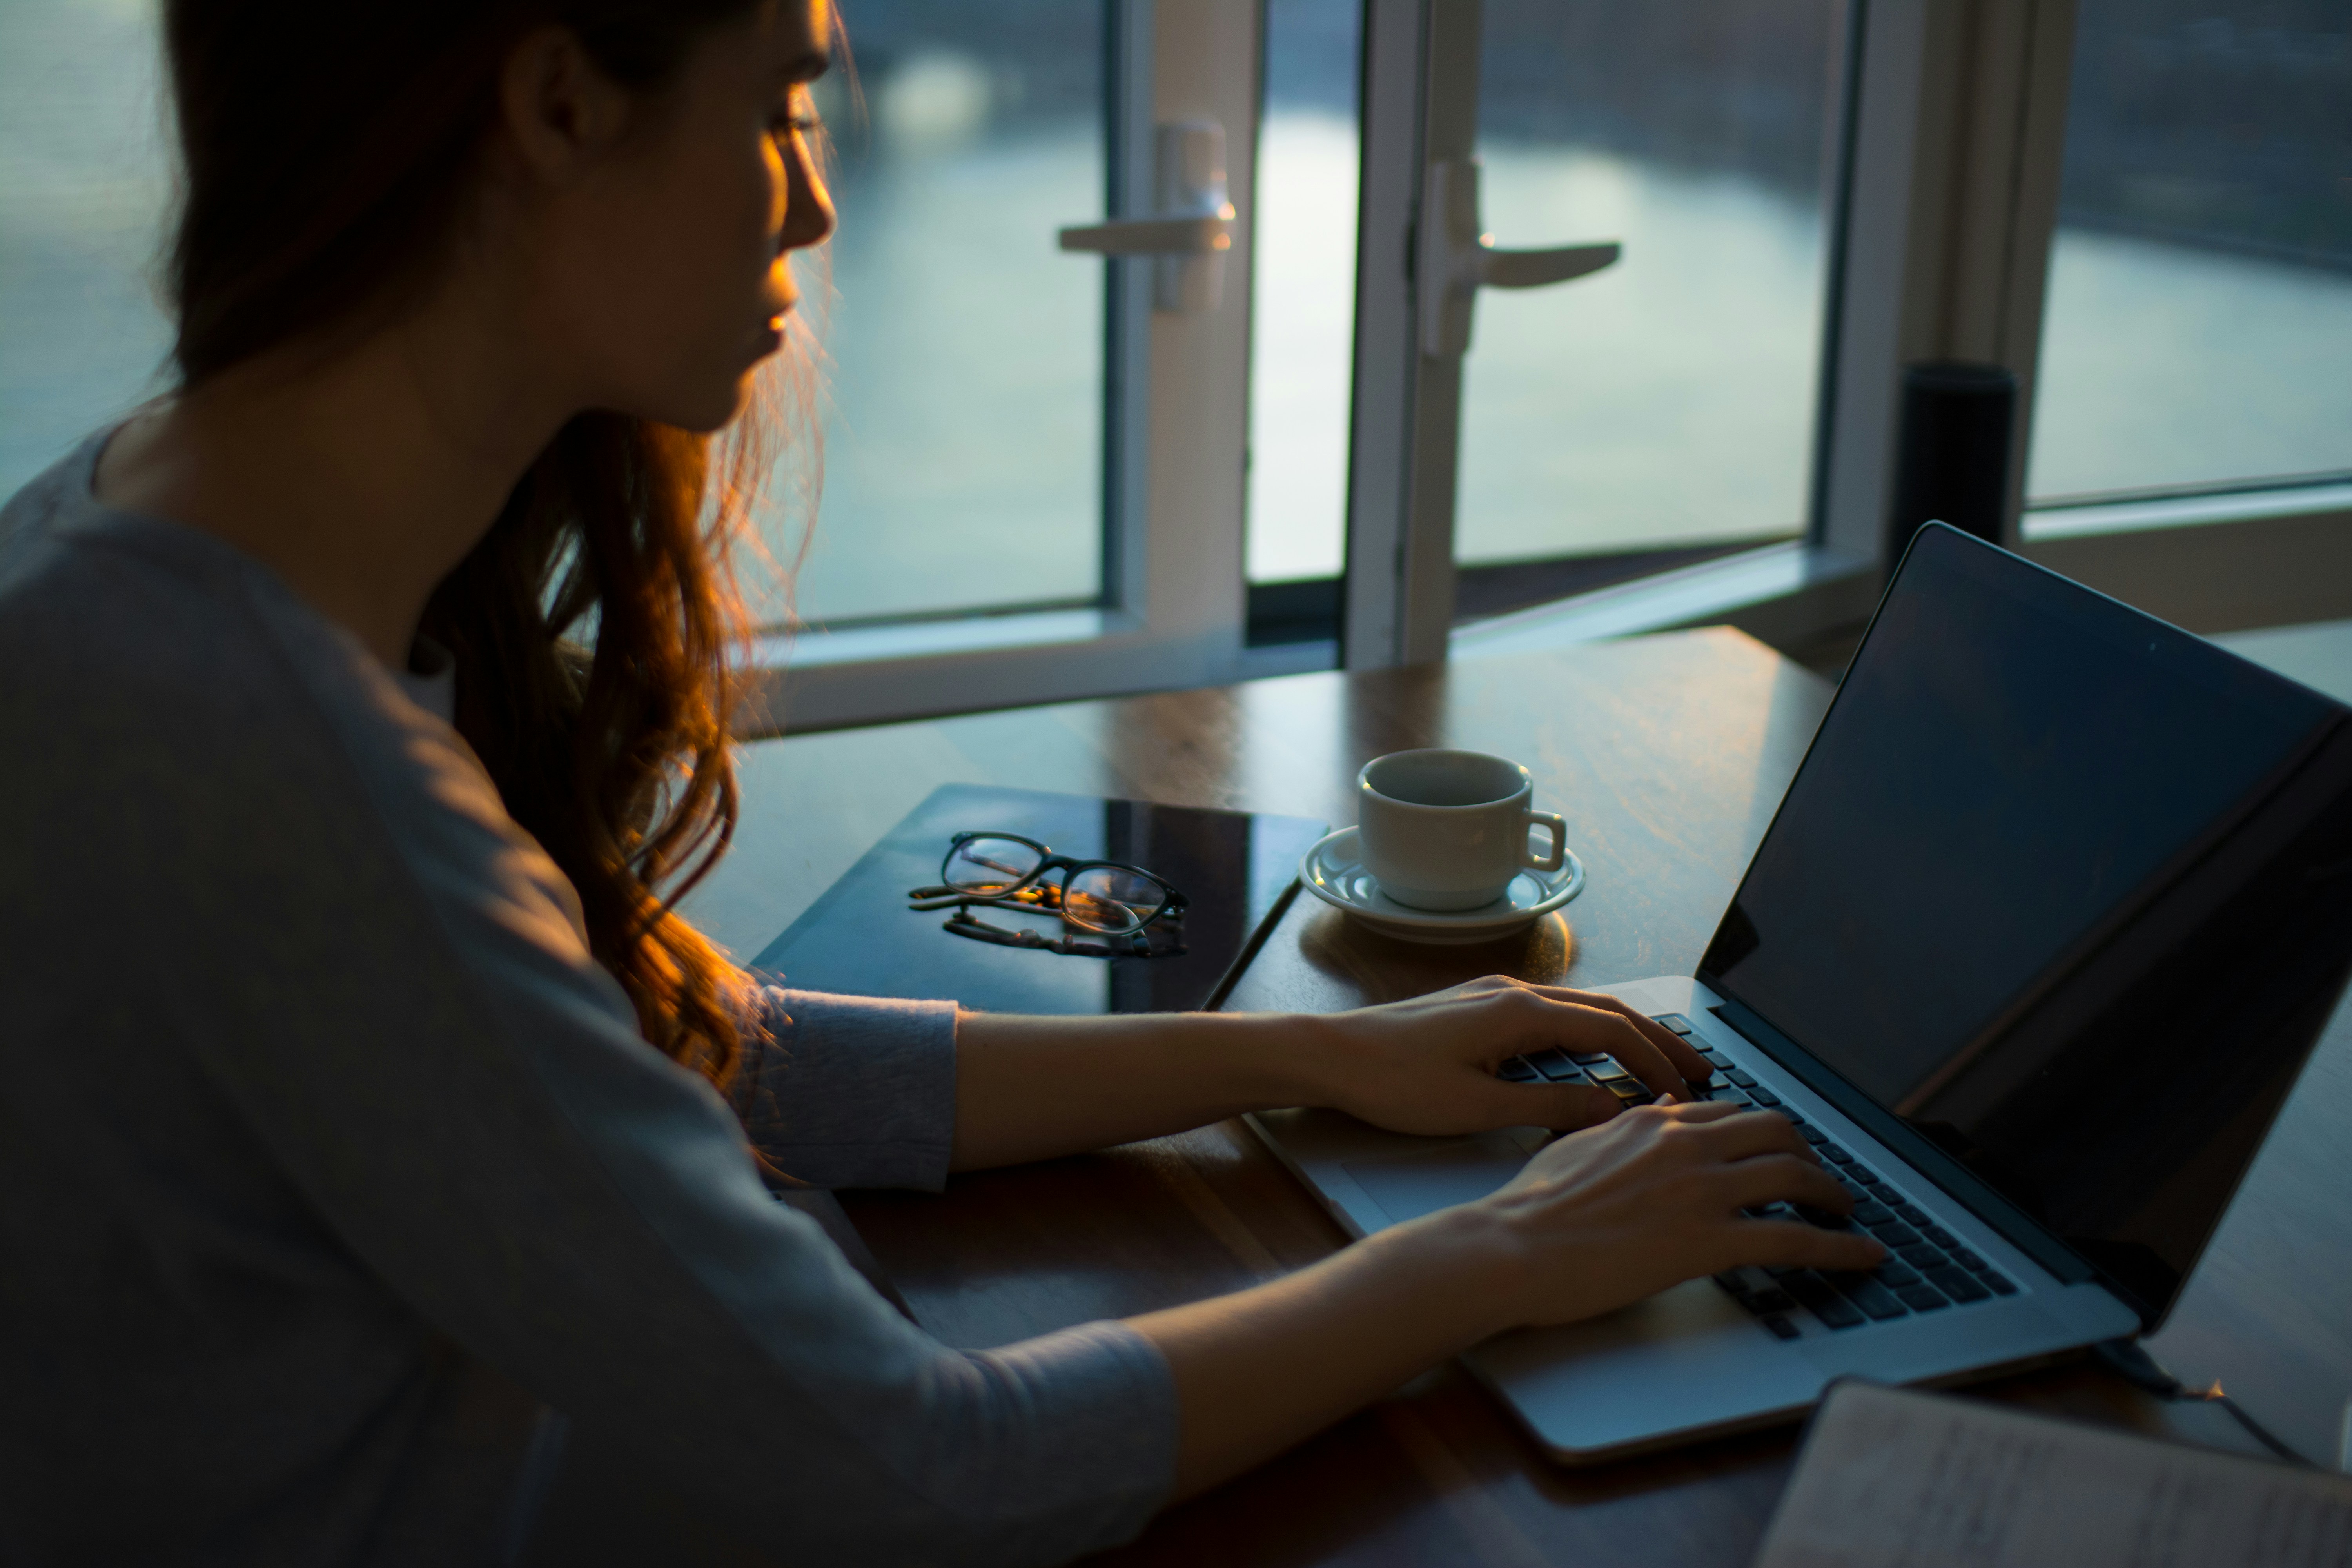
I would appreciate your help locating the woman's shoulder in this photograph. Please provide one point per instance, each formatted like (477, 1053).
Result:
(157, 674)
(113, 623)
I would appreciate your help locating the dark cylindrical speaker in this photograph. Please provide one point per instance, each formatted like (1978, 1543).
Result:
(1952, 462)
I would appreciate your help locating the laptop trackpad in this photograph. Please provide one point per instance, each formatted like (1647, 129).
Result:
(1407, 1186)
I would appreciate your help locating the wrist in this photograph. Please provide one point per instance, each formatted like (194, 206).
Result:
(1294, 1057)
(1461, 1270)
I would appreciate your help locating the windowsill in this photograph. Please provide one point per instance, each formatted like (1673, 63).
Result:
(815, 648)
(1777, 593)
(2183, 511)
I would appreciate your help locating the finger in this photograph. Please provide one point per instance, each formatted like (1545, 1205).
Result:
(1679, 1053)
(1562, 1107)
(1699, 1112)
(1745, 1133)
(1783, 1243)
(1782, 1178)
(1582, 1028)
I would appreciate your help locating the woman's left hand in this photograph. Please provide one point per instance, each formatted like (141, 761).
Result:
(1427, 1066)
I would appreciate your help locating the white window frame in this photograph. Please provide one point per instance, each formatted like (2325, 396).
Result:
(1176, 438)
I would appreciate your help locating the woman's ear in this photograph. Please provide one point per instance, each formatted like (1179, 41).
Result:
(560, 114)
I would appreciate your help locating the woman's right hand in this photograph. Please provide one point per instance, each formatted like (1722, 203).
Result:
(1603, 1217)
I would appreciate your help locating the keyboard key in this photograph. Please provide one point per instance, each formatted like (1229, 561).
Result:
(1956, 1283)
(1892, 1274)
(1768, 1301)
(1812, 1134)
(1835, 1155)
(2000, 1283)
(1922, 1256)
(1825, 1302)
(1894, 1233)
(1764, 1096)
(1606, 1071)
(1728, 1096)
(1864, 1293)
(1865, 1174)
(1674, 1021)
(1939, 1235)
(1519, 1070)
(1781, 1328)
(1912, 1213)
(1717, 1058)
(1921, 1298)
(1967, 1261)
(1590, 1059)
(1873, 1215)
(1629, 1090)
(1744, 1080)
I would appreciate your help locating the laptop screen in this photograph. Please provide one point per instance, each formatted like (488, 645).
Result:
(2054, 886)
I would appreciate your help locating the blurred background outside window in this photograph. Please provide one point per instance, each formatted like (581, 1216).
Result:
(84, 179)
(1663, 410)
(963, 460)
(1303, 314)
(2198, 333)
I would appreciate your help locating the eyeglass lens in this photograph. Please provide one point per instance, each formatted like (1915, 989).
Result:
(989, 865)
(1106, 898)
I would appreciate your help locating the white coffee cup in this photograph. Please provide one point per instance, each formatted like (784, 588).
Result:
(1448, 830)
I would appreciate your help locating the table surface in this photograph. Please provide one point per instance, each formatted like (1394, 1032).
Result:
(1667, 755)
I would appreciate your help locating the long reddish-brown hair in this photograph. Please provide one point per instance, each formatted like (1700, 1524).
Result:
(329, 152)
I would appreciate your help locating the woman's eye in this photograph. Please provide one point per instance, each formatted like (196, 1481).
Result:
(797, 118)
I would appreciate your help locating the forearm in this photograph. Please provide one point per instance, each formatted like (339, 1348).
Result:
(1257, 1372)
(1031, 1089)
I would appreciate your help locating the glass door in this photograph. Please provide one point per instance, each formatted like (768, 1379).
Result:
(2197, 338)
(1606, 356)
(1663, 409)
(964, 409)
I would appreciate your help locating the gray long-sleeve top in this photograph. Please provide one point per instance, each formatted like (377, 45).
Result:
(331, 1161)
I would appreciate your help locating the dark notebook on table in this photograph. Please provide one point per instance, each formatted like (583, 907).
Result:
(1237, 870)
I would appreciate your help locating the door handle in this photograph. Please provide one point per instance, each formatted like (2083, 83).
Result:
(1193, 223)
(1455, 260)
(1204, 235)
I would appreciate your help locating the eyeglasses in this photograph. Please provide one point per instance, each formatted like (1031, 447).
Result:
(1006, 870)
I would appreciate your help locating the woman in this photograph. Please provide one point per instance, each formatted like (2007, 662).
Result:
(363, 1104)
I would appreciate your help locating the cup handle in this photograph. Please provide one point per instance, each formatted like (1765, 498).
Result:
(1559, 856)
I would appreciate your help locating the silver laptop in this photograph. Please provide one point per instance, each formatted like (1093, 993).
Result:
(2042, 934)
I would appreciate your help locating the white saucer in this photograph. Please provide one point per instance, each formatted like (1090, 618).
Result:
(1333, 871)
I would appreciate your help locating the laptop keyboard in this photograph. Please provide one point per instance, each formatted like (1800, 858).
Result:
(1927, 1268)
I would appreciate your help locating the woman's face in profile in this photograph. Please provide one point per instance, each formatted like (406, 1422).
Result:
(674, 263)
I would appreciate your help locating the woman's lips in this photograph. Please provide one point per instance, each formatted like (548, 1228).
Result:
(771, 337)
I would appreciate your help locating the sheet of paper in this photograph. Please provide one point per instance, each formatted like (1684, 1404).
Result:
(1897, 1479)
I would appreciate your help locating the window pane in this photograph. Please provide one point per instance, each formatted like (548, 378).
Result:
(1303, 316)
(2198, 328)
(1670, 400)
(964, 448)
(83, 179)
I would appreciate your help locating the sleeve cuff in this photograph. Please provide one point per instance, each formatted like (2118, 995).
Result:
(852, 1091)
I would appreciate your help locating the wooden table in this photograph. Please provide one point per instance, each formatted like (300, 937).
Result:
(1667, 755)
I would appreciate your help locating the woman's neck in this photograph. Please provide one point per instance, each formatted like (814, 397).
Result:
(362, 478)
